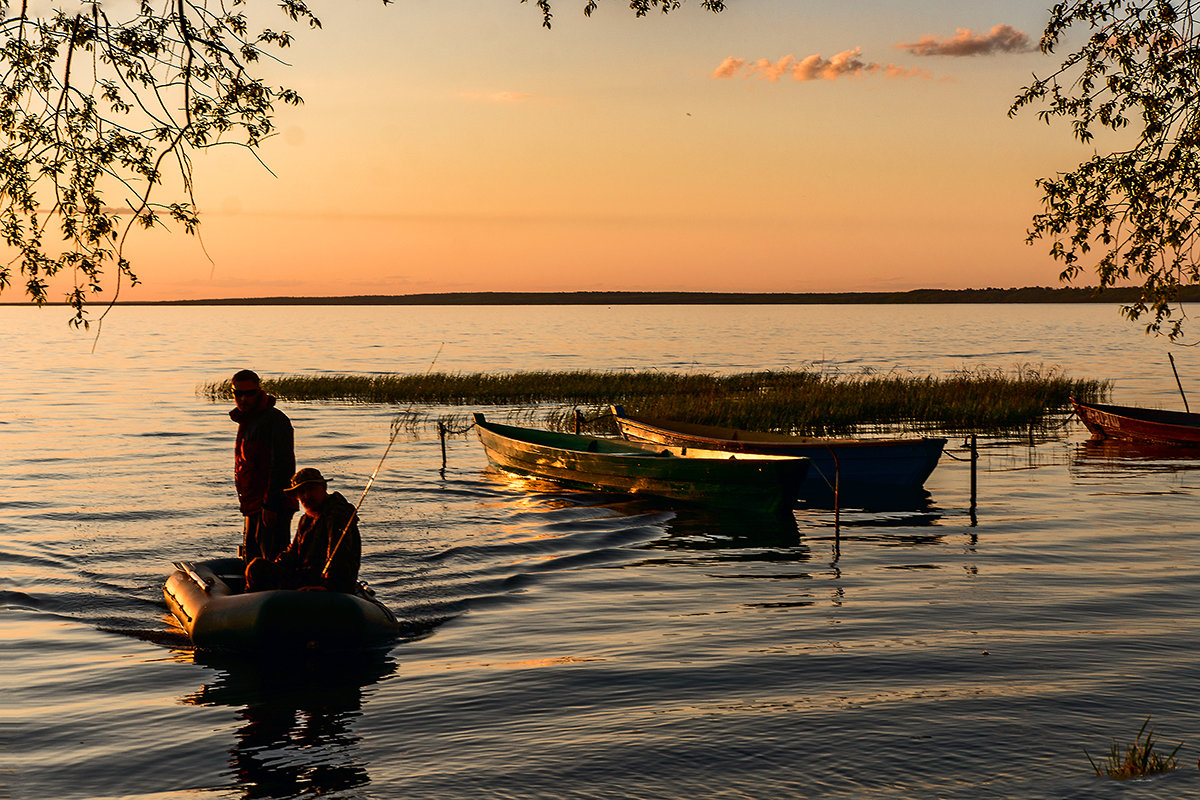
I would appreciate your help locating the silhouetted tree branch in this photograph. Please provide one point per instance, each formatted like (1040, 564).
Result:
(1129, 215)
(93, 108)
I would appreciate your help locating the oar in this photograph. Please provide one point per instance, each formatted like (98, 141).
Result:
(1177, 383)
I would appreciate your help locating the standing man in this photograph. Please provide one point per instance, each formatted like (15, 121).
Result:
(263, 461)
(327, 550)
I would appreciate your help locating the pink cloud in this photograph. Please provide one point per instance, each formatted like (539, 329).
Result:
(729, 68)
(1000, 39)
(848, 63)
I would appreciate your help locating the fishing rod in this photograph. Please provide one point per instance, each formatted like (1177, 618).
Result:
(396, 427)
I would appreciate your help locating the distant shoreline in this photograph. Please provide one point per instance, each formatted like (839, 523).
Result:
(1028, 294)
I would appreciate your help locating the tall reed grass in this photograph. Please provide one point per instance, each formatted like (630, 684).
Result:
(787, 401)
(1135, 760)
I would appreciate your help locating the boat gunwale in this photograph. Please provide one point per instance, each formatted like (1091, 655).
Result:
(636, 450)
(707, 433)
(1184, 419)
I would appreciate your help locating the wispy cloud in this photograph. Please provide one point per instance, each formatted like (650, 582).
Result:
(846, 64)
(495, 97)
(1000, 39)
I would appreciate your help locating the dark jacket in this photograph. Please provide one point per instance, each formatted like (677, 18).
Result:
(263, 458)
(314, 542)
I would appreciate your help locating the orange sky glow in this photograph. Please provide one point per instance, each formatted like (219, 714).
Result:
(778, 146)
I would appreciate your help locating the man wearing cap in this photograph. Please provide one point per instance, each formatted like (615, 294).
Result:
(263, 461)
(327, 549)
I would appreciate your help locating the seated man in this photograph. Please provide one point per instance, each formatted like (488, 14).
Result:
(327, 549)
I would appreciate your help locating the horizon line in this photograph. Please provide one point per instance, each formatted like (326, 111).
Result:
(1025, 294)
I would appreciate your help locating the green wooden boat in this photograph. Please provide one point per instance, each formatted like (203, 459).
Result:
(728, 480)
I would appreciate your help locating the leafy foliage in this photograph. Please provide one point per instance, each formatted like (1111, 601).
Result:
(1137, 76)
(92, 110)
(100, 117)
(640, 7)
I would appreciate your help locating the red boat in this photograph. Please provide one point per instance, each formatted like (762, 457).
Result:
(1140, 424)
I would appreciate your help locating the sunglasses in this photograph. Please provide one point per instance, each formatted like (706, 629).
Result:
(245, 392)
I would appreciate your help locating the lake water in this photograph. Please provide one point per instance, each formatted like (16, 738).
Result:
(565, 644)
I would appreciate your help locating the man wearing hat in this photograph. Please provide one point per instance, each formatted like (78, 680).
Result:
(327, 549)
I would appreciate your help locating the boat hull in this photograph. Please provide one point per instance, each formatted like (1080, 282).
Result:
(764, 483)
(850, 463)
(1140, 424)
(203, 599)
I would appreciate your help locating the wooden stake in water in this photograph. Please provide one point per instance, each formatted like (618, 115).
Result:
(1177, 383)
(837, 486)
(974, 483)
(837, 480)
(442, 436)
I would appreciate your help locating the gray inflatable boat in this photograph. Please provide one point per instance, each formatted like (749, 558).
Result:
(207, 601)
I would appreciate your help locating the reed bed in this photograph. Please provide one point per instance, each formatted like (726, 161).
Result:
(786, 401)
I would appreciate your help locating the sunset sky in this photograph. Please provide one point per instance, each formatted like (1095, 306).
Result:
(457, 145)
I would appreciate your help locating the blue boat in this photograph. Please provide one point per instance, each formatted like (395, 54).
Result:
(851, 463)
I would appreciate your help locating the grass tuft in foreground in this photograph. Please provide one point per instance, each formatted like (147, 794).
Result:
(787, 401)
(1138, 758)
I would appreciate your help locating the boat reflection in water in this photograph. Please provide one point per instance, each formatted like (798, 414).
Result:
(1115, 457)
(694, 527)
(296, 736)
(893, 518)
(914, 501)
(739, 535)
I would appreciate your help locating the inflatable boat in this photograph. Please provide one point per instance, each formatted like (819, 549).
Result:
(207, 601)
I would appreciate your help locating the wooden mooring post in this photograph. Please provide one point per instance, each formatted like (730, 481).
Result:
(837, 504)
(442, 436)
(837, 485)
(974, 480)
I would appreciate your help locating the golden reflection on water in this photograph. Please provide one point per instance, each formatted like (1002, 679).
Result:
(745, 635)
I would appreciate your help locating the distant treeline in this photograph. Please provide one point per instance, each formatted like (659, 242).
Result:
(1028, 294)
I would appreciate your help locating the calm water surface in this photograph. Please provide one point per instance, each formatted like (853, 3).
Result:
(577, 645)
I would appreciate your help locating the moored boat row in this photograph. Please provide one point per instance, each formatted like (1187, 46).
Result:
(691, 462)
